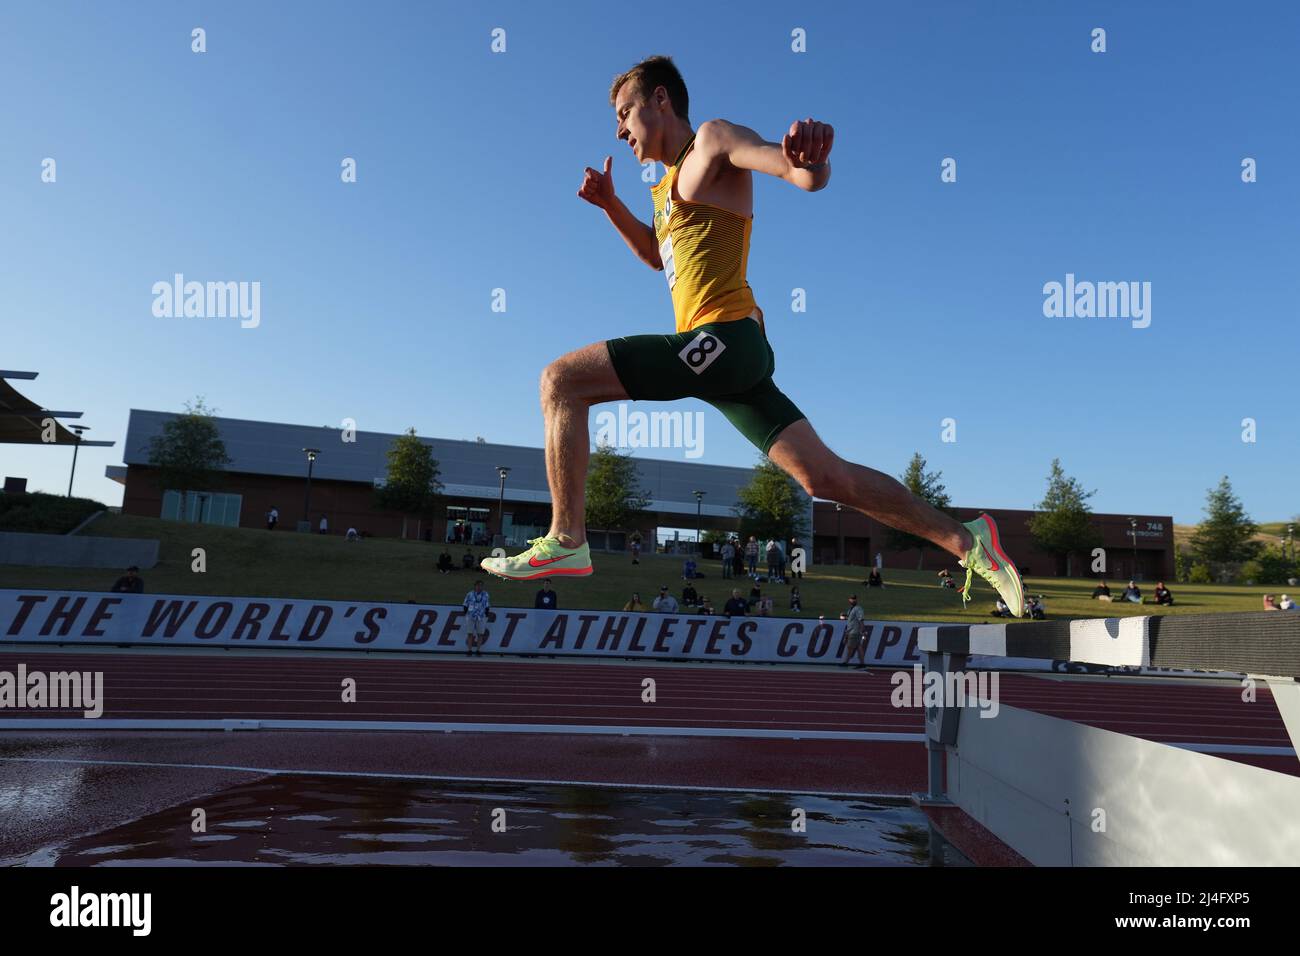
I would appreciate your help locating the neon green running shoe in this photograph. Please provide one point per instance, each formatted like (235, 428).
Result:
(544, 558)
(987, 559)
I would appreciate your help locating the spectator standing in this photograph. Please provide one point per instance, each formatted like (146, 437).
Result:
(735, 606)
(467, 559)
(853, 642)
(728, 556)
(770, 549)
(324, 525)
(476, 606)
(129, 583)
(738, 563)
(665, 603)
(751, 555)
(272, 518)
(635, 542)
(546, 599)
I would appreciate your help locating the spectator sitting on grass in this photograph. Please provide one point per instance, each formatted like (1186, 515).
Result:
(1101, 592)
(1163, 594)
(736, 606)
(874, 580)
(444, 562)
(945, 579)
(1270, 604)
(665, 603)
(689, 597)
(1133, 593)
(1036, 610)
(688, 569)
(1001, 609)
(634, 604)
(467, 560)
(796, 603)
(706, 606)
(755, 594)
(354, 536)
(546, 599)
(1287, 604)
(129, 583)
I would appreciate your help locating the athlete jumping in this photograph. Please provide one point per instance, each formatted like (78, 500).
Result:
(703, 214)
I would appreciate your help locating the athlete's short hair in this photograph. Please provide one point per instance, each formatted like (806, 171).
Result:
(650, 74)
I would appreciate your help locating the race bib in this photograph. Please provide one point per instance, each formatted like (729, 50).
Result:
(666, 257)
(701, 352)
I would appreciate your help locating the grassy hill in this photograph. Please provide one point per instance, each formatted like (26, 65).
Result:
(255, 562)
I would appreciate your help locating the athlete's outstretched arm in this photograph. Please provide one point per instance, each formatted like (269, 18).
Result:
(598, 189)
(802, 158)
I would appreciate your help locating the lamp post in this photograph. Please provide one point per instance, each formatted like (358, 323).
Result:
(839, 533)
(1290, 545)
(1133, 525)
(699, 509)
(77, 445)
(306, 507)
(502, 471)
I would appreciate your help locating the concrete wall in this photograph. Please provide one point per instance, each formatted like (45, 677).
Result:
(76, 551)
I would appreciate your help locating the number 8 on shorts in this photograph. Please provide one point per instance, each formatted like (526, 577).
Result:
(701, 351)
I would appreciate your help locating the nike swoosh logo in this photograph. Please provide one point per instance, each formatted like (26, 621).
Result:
(993, 563)
(534, 563)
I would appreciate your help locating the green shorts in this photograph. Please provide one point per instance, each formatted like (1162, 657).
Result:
(727, 364)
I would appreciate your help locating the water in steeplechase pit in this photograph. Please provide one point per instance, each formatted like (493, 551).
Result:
(330, 820)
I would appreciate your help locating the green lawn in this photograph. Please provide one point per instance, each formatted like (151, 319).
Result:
(288, 564)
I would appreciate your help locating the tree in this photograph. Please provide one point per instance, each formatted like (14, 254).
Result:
(926, 486)
(1226, 535)
(615, 499)
(1063, 525)
(189, 454)
(411, 485)
(772, 505)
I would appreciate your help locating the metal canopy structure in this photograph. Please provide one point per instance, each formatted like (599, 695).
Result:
(24, 422)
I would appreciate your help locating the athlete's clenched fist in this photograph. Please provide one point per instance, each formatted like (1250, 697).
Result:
(598, 188)
(808, 143)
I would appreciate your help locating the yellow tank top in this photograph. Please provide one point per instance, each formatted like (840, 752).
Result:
(704, 249)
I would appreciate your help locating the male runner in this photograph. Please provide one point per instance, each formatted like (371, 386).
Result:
(703, 214)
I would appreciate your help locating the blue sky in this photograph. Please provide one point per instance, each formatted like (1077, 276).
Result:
(924, 298)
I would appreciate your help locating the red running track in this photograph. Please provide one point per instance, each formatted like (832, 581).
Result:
(713, 696)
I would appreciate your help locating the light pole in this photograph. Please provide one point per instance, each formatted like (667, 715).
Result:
(306, 507)
(699, 508)
(502, 471)
(839, 533)
(1133, 525)
(78, 429)
(1290, 545)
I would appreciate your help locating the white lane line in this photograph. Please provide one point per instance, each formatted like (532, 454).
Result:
(123, 723)
(450, 779)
